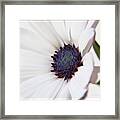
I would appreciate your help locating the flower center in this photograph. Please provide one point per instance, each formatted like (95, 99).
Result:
(66, 61)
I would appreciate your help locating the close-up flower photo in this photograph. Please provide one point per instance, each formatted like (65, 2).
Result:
(60, 59)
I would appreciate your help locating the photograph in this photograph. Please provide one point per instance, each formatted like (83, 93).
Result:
(59, 59)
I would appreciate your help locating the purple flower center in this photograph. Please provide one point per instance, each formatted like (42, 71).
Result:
(66, 61)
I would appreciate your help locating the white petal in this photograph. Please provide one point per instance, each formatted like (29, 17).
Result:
(26, 75)
(98, 33)
(64, 93)
(31, 41)
(95, 77)
(96, 59)
(60, 27)
(47, 89)
(92, 23)
(28, 57)
(33, 63)
(47, 31)
(78, 84)
(93, 91)
(76, 27)
(58, 89)
(43, 30)
(86, 39)
(55, 33)
(30, 87)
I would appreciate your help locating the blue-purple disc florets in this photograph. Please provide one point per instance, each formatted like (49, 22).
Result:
(66, 61)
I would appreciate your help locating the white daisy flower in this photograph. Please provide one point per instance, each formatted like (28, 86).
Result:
(55, 58)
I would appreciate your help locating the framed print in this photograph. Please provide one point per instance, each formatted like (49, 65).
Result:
(59, 59)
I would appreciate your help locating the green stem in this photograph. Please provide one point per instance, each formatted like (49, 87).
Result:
(98, 83)
(96, 47)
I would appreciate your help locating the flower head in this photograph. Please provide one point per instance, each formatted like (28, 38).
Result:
(65, 61)
(56, 61)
